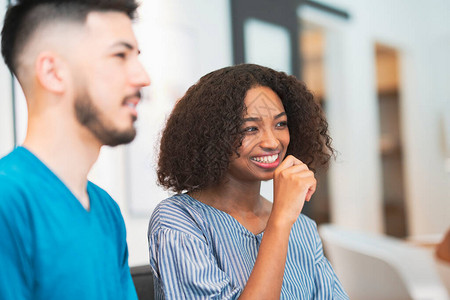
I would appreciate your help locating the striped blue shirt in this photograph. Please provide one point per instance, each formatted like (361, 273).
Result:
(200, 252)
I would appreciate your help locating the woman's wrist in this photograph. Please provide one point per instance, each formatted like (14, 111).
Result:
(279, 224)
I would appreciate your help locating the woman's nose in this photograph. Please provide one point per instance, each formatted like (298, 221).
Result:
(269, 140)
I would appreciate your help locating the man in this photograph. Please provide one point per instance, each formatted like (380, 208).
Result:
(443, 248)
(62, 237)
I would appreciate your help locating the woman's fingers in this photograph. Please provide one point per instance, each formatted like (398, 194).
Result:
(294, 184)
(310, 192)
(289, 161)
(290, 165)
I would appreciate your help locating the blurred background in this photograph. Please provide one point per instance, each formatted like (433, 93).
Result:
(380, 70)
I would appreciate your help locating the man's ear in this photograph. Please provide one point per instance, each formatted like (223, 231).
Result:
(51, 72)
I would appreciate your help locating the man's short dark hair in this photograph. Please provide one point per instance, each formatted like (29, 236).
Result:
(24, 18)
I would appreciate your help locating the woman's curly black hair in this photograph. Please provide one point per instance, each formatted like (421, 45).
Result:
(204, 129)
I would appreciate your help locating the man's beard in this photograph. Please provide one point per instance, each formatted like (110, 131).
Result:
(90, 116)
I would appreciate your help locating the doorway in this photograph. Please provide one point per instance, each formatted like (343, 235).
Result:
(312, 49)
(391, 150)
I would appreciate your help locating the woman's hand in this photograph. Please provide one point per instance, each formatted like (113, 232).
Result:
(293, 184)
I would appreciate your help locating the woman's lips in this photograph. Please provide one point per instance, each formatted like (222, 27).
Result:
(266, 161)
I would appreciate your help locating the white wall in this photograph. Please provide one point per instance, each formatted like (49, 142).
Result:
(421, 32)
(6, 115)
(181, 41)
(356, 176)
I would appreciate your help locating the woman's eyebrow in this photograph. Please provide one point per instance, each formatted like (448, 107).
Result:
(252, 119)
(256, 119)
(280, 115)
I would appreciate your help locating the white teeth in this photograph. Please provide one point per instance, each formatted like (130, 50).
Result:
(266, 159)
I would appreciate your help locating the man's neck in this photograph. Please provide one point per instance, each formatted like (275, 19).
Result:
(67, 153)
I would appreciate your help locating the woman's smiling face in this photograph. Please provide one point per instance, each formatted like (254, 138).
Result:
(266, 136)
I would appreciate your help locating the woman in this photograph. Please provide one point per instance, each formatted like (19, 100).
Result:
(218, 238)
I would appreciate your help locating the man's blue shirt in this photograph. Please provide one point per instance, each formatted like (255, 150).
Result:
(51, 247)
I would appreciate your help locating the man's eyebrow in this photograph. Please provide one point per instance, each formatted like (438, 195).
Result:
(126, 45)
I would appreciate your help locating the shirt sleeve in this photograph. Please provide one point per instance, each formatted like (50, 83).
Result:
(111, 216)
(127, 282)
(127, 286)
(327, 284)
(15, 261)
(184, 268)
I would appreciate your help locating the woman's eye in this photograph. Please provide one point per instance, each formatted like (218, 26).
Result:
(250, 129)
(282, 124)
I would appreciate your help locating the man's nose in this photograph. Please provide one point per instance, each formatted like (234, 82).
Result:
(139, 76)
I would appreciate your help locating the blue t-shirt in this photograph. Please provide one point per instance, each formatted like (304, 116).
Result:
(200, 252)
(51, 247)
